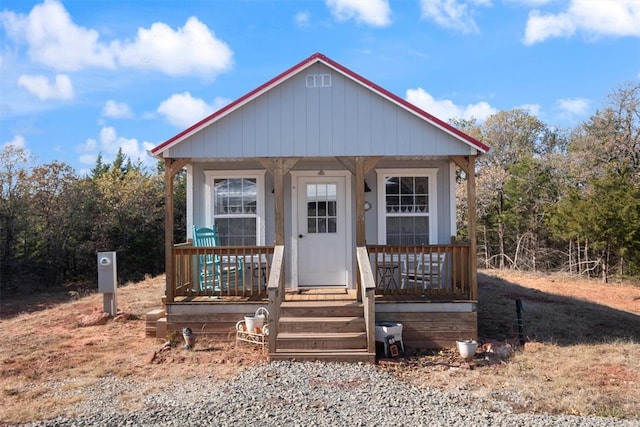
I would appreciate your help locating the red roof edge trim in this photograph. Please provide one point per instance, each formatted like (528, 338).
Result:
(483, 147)
(318, 56)
(234, 104)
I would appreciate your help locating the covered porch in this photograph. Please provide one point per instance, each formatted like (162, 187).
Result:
(430, 289)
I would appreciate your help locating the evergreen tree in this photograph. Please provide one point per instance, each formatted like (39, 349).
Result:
(100, 168)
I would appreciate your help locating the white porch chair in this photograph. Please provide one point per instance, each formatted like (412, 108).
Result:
(424, 270)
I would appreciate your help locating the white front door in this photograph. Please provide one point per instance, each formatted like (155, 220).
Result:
(322, 231)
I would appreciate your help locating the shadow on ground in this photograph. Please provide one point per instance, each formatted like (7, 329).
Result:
(31, 302)
(547, 317)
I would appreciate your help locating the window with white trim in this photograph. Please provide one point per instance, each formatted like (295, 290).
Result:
(318, 80)
(407, 206)
(235, 206)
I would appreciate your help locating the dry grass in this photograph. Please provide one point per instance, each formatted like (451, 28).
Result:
(582, 355)
(561, 310)
(43, 343)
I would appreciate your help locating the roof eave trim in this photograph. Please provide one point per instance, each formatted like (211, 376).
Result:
(440, 124)
(227, 109)
(318, 57)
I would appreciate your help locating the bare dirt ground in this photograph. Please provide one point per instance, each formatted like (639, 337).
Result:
(582, 354)
(582, 350)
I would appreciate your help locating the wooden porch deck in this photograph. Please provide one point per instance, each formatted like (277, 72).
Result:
(311, 294)
(430, 290)
(318, 294)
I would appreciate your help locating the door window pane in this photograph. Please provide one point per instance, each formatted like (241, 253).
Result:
(321, 208)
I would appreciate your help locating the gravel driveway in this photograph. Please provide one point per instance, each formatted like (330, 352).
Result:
(297, 394)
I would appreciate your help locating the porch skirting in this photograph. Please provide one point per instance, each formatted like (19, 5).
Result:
(429, 325)
(215, 320)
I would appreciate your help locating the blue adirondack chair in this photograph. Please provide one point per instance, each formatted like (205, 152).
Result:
(215, 272)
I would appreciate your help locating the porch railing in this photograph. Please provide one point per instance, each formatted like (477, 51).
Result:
(426, 271)
(221, 271)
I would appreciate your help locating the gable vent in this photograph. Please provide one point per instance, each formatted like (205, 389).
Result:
(318, 80)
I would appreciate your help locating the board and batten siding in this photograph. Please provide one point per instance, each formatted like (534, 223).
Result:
(345, 119)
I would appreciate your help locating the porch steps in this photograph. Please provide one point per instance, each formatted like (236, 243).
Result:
(155, 324)
(322, 324)
(322, 330)
(351, 356)
(322, 340)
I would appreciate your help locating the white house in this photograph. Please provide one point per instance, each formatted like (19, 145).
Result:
(298, 174)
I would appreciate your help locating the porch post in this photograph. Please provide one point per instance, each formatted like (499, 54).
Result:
(168, 230)
(278, 183)
(360, 231)
(279, 167)
(473, 246)
(171, 168)
(361, 166)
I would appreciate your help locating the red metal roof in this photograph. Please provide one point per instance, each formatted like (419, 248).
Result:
(318, 57)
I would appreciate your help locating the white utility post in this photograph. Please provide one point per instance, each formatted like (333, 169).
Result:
(108, 280)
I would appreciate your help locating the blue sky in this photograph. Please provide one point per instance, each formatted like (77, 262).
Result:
(78, 78)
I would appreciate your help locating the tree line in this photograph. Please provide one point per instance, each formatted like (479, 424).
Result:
(549, 199)
(53, 222)
(561, 200)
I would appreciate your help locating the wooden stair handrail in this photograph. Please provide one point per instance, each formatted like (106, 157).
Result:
(368, 287)
(275, 290)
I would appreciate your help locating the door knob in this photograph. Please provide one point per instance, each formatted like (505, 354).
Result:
(300, 236)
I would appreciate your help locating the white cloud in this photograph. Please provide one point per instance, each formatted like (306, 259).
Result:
(219, 102)
(40, 86)
(108, 144)
(86, 159)
(453, 14)
(53, 39)
(18, 141)
(541, 27)
(116, 110)
(479, 111)
(372, 12)
(445, 109)
(302, 19)
(533, 109)
(574, 106)
(191, 49)
(529, 2)
(183, 110)
(618, 18)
